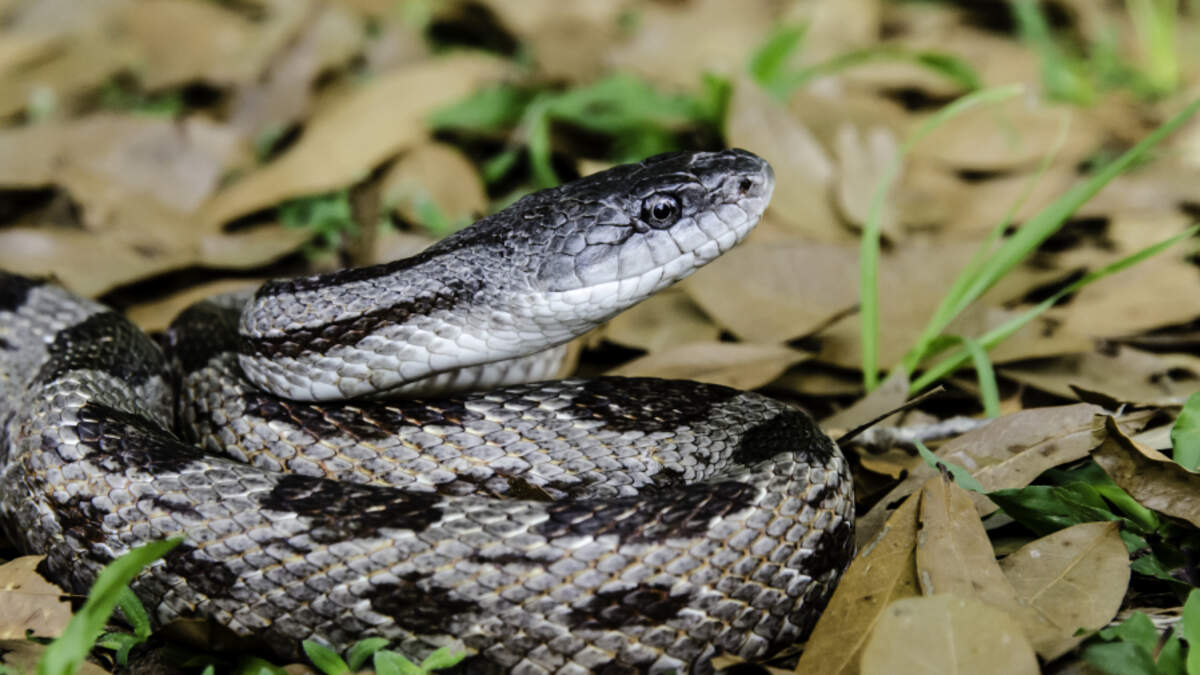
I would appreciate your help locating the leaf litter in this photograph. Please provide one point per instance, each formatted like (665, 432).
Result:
(155, 153)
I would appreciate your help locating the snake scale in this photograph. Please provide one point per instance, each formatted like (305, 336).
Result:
(604, 525)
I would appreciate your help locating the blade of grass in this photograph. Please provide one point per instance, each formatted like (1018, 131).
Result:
(989, 393)
(1003, 331)
(952, 302)
(1154, 23)
(65, 654)
(868, 257)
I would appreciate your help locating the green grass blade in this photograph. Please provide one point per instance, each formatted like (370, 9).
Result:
(1191, 630)
(1154, 23)
(868, 255)
(1003, 331)
(768, 62)
(1061, 75)
(961, 476)
(989, 393)
(1185, 434)
(363, 650)
(953, 302)
(64, 655)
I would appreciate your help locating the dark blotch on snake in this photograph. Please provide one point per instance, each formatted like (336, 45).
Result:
(106, 342)
(789, 431)
(212, 578)
(645, 404)
(350, 331)
(421, 608)
(344, 511)
(640, 606)
(200, 333)
(833, 550)
(124, 442)
(14, 291)
(684, 512)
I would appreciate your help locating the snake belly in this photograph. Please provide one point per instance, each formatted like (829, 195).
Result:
(571, 526)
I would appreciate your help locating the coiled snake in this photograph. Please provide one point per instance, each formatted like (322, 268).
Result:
(566, 526)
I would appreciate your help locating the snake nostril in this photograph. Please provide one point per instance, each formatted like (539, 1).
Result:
(745, 185)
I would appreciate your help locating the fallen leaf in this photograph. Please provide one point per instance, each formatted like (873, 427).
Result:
(773, 292)
(889, 395)
(1062, 433)
(884, 571)
(437, 174)
(954, 554)
(947, 634)
(1123, 373)
(566, 40)
(157, 315)
(661, 322)
(368, 125)
(863, 157)
(804, 172)
(1075, 579)
(30, 602)
(24, 655)
(1150, 477)
(737, 365)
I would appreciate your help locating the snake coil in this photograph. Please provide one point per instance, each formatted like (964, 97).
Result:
(605, 525)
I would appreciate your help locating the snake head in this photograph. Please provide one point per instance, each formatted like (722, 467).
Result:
(614, 238)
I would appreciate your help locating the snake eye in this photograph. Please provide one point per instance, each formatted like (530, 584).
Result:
(660, 211)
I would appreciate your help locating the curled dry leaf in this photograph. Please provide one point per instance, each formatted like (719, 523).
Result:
(364, 128)
(567, 40)
(1074, 579)
(1149, 476)
(864, 157)
(661, 322)
(176, 53)
(29, 601)
(947, 634)
(157, 315)
(1021, 445)
(804, 172)
(738, 365)
(882, 573)
(891, 394)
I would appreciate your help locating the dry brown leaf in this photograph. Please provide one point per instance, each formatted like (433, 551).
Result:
(1067, 432)
(738, 365)
(1148, 476)
(1009, 136)
(947, 634)
(673, 42)
(365, 127)
(439, 174)
(1160, 292)
(1123, 373)
(158, 314)
(661, 322)
(1074, 579)
(954, 554)
(23, 656)
(29, 601)
(175, 52)
(567, 40)
(82, 63)
(889, 395)
(884, 571)
(772, 292)
(804, 172)
(834, 27)
(864, 156)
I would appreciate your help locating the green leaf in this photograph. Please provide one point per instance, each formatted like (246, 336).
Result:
(768, 62)
(362, 650)
(1191, 630)
(121, 643)
(252, 665)
(325, 659)
(1138, 629)
(1185, 434)
(443, 657)
(487, 110)
(1171, 657)
(65, 654)
(134, 612)
(961, 476)
(1046, 509)
(391, 663)
(1120, 658)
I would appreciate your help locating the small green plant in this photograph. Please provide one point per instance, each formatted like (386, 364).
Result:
(64, 655)
(637, 119)
(119, 95)
(384, 662)
(1134, 647)
(770, 64)
(327, 216)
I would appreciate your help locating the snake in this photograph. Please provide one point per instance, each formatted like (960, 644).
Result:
(376, 451)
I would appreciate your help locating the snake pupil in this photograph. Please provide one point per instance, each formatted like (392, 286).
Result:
(661, 210)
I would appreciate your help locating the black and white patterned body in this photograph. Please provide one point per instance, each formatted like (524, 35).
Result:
(565, 527)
